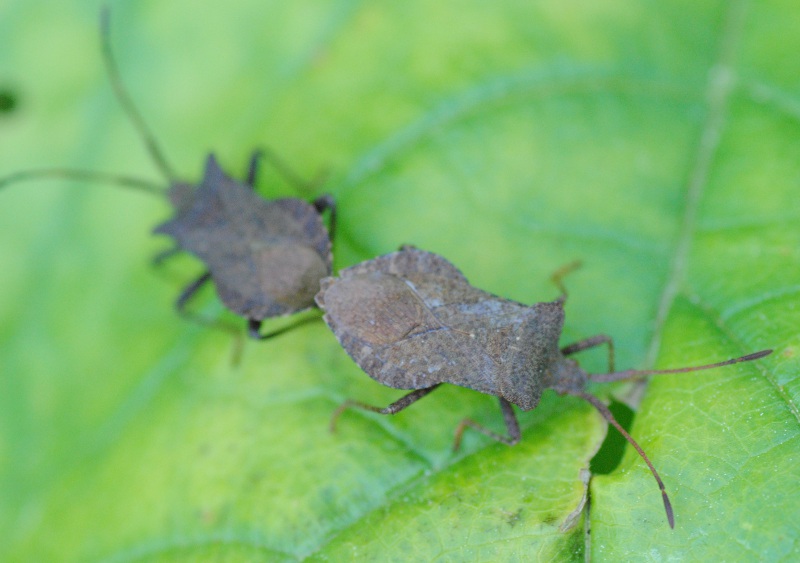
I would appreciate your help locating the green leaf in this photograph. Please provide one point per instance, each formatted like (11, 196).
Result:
(656, 142)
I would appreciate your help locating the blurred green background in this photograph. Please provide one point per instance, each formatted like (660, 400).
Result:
(655, 141)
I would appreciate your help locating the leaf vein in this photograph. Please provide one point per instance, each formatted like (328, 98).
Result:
(719, 88)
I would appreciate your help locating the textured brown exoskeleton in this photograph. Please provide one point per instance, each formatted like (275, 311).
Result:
(265, 257)
(412, 321)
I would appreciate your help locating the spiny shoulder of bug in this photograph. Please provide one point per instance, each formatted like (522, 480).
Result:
(221, 210)
(184, 195)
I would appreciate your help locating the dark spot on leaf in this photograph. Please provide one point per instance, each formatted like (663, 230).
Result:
(8, 100)
(610, 454)
(512, 518)
(550, 519)
(256, 477)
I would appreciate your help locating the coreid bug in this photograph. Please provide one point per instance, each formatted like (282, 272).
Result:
(265, 257)
(412, 321)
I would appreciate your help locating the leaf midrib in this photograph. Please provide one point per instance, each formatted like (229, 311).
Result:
(720, 85)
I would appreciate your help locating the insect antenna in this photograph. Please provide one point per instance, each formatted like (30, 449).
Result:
(130, 109)
(629, 373)
(127, 103)
(558, 278)
(84, 176)
(598, 404)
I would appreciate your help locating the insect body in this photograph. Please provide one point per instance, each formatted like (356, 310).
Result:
(412, 321)
(265, 257)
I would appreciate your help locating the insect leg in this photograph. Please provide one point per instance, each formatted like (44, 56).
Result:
(322, 203)
(254, 327)
(182, 301)
(591, 343)
(189, 291)
(186, 295)
(395, 407)
(511, 424)
(285, 170)
(252, 169)
(164, 255)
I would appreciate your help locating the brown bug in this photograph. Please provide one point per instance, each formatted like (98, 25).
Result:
(412, 321)
(265, 257)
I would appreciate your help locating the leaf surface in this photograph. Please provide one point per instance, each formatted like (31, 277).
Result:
(656, 142)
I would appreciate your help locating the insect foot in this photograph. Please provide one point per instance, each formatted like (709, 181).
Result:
(265, 257)
(412, 321)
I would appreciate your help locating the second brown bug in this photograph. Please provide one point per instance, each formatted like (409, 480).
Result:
(265, 257)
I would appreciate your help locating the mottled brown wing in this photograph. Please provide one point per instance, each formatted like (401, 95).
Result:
(392, 335)
(438, 328)
(256, 219)
(275, 279)
(265, 257)
(521, 340)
